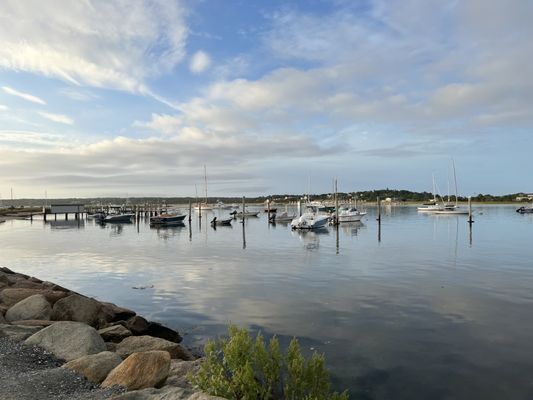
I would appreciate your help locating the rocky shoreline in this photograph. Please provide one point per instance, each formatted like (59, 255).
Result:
(98, 350)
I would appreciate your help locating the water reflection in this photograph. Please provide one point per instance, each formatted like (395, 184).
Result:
(166, 232)
(67, 224)
(310, 238)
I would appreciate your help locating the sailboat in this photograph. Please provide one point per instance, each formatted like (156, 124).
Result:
(204, 206)
(452, 209)
(433, 205)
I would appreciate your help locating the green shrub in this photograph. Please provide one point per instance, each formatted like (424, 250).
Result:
(240, 368)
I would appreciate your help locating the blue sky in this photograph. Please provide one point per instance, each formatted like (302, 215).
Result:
(134, 98)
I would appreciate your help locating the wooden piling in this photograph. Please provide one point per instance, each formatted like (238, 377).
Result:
(243, 209)
(190, 210)
(470, 219)
(379, 210)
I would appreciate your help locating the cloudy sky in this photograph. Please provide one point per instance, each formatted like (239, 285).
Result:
(134, 98)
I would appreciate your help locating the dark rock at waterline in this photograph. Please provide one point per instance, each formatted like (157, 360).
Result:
(33, 307)
(118, 313)
(77, 308)
(27, 284)
(137, 325)
(161, 331)
(68, 340)
(6, 270)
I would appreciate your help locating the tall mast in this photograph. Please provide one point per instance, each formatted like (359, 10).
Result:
(455, 181)
(205, 178)
(434, 190)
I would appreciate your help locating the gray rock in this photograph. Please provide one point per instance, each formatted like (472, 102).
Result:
(95, 367)
(68, 340)
(77, 308)
(33, 307)
(118, 313)
(179, 370)
(137, 325)
(27, 284)
(18, 333)
(2, 319)
(111, 346)
(140, 370)
(12, 296)
(34, 322)
(115, 333)
(135, 344)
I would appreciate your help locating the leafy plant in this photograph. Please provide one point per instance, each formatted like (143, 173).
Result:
(241, 368)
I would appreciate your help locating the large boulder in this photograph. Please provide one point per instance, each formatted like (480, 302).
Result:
(33, 307)
(34, 322)
(140, 370)
(137, 325)
(135, 344)
(25, 283)
(114, 333)
(95, 367)
(77, 308)
(68, 340)
(18, 333)
(179, 369)
(12, 296)
(117, 313)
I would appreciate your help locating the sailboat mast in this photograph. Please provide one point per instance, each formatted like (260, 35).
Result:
(205, 178)
(434, 190)
(455, 182)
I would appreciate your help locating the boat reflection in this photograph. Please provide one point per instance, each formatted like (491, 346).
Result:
(352, 228)
(166, 232)
(67, 224)
(311, 238)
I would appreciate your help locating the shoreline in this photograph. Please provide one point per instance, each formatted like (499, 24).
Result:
(111, 347)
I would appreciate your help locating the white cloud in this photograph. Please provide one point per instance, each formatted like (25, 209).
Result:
(77, 94)
(62, 119)
(97, 43)
(200, 62)
(163, 123)
(3, 108)
(26, 96)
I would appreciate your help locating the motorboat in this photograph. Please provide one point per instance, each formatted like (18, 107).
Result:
(221, 222)
(167, 219)
(239, 214)
(219, 205)
(118, 218)
(525, 210)
(311, 219)
(203, 207)
(350, 214)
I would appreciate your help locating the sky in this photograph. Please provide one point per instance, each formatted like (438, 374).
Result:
(129, 99)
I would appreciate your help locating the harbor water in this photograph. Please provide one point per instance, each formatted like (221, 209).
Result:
(423, 308)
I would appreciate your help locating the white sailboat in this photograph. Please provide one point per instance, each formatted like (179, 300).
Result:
(453, 209)
(204, 206)
(433, 205)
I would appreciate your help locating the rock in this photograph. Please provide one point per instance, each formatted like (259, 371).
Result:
(6, 270)
(137, 325)
(111, 346)
(77, 308)
(27, 284)
(115, 333)
(34, 322)
(157, 330)
(68, 340)
(140, 370)
(165, 393)
(2, 319)
(135, 344)
(179, 370)
(18, 333)
(33, 307)
(118, 313)
(3, 309)
(11, 296)
(95, 367)
(34, 279)
(4, 280)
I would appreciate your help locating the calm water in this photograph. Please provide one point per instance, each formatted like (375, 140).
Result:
(427, 312)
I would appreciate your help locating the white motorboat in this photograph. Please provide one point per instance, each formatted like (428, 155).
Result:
(311, 219)
(118, 218)
(525, 210)
(350, 214)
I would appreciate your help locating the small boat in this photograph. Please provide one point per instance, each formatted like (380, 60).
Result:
(221, 206)
(283, 217)
(451, 210)
(312, 219)
(98, 216)
(350, 214)
(525, 210)
(239, 214)
(118, 218)
(167, 219)
(221, 222)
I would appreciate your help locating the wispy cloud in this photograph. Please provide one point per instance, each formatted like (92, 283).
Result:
(3, 108)
(95, 43)
(62, 119)
(26, 96)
